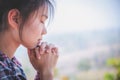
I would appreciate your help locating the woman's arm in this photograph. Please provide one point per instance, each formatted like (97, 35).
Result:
(44, 75)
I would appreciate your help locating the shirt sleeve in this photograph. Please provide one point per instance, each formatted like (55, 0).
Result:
(5, 73)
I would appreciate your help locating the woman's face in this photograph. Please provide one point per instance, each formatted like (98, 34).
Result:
(34, 29)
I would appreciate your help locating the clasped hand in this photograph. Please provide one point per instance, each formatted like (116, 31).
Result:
(44, 57)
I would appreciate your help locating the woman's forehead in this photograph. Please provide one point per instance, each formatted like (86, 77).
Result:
(43, 10)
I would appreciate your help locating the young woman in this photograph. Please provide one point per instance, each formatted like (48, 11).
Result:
(23, 22)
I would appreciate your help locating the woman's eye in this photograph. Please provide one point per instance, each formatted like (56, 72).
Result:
(42, 22)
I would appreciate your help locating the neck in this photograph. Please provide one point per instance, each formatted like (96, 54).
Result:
(7, 44)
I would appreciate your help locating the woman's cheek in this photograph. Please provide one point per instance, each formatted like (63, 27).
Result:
(28, 40)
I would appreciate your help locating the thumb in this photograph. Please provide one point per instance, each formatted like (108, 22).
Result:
(28, 50)
(29, 53)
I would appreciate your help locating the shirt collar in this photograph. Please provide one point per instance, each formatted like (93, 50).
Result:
(5, 57)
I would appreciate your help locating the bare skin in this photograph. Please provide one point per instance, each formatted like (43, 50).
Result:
(47, 56)
(44, 57)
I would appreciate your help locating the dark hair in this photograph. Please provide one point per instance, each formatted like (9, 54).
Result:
(26, 7)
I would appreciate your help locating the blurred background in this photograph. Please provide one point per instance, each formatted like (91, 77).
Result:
(87, 33)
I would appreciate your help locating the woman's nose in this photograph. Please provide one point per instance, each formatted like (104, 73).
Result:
(44, 31)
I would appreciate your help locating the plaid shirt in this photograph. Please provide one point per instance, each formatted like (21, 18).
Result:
(10, 69)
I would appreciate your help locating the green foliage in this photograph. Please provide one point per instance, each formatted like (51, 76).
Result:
(108, 76)
(118, 75)
(115, 62)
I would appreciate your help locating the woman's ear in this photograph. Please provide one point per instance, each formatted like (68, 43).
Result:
(14, 18)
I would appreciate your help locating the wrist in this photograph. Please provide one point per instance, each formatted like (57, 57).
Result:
(46, 74)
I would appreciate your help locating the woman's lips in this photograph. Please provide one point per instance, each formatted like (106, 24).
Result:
(39, 40)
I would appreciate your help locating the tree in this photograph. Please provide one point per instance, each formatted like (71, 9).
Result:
(115, 62)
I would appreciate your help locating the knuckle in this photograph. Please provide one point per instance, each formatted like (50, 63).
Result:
(51, 46)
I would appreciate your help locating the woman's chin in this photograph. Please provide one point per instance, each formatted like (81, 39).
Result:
(33, 47)
(30, 47)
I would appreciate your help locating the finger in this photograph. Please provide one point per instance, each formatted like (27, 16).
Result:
(49, 48)
(54, 59)
(55, 50)
(43, 47)
(31, 54)
(37, 53)
(28, 50)
(55, 54)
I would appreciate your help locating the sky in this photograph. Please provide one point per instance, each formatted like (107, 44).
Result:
(85, 15)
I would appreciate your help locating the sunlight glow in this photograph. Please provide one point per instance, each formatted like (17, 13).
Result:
(82, 16)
